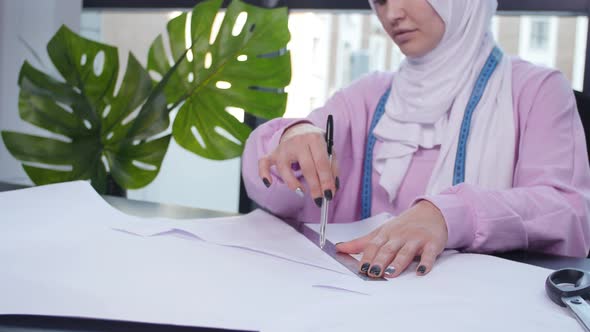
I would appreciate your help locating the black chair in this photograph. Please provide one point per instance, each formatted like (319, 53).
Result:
(583, 102)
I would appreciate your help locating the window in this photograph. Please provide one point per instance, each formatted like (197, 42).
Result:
(580, 53)
(329, 50)
(377, 52)
(539, 36)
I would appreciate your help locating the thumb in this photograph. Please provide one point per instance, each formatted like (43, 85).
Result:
(355, 246)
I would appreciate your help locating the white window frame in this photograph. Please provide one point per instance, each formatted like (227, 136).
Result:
(526, 51)
(349, 26)
(377, 53)
(580, 53)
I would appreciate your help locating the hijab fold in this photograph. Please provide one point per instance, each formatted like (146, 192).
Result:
(428, 99)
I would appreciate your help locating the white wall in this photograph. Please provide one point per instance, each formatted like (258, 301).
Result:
(35, 22)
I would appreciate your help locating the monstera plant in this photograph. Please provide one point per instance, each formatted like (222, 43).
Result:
(123, 135)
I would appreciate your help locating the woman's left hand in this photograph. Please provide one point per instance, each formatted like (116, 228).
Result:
(389, 250)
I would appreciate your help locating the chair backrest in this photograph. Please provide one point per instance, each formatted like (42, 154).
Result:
(583, 102)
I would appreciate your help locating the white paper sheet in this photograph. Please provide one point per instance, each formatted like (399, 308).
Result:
(59, 256)
(257, 231)
(464, 293)
(344, 232)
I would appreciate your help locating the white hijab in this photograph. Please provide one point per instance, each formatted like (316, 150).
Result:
(428, 100)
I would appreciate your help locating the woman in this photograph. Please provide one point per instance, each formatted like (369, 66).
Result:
(471, 149)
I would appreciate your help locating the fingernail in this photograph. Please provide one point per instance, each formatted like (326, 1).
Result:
(328, 194)
(389, 271)
(365, 268)
(266, 182)
(337, 182)
(422, 269)
(375, 270)
(299, 192)
(318, 201)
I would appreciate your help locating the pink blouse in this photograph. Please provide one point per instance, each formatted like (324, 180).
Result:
(547, 210)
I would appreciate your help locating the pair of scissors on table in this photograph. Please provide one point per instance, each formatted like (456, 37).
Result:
(571, 288)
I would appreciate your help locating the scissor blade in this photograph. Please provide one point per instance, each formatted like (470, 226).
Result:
(580, 308)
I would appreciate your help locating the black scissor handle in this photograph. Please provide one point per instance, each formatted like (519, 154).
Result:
(567, 283)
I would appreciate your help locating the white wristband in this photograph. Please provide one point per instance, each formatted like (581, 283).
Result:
(300, 129)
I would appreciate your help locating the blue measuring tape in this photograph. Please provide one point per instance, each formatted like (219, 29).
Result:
(459, 170)
(366, 193)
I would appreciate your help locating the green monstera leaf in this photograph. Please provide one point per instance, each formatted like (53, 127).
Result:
(100, 130)
(97, 130)
(246, 67)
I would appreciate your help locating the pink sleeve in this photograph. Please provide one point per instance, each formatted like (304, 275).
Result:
(279, 199)
(547, 210)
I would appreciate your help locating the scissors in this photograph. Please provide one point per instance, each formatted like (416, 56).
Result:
(571, 288)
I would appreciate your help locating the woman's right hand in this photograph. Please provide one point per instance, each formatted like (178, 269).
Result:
(303, 144)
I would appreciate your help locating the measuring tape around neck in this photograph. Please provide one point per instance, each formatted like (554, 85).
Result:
(459, 169)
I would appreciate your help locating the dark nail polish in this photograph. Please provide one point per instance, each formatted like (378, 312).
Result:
(390, 271)
(328, 195)
(337, 183)
(266, 182)
(365, 268)
(422, 269)
(375, 270)
(318, 201)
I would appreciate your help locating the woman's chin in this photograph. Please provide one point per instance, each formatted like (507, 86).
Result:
(413, 50)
